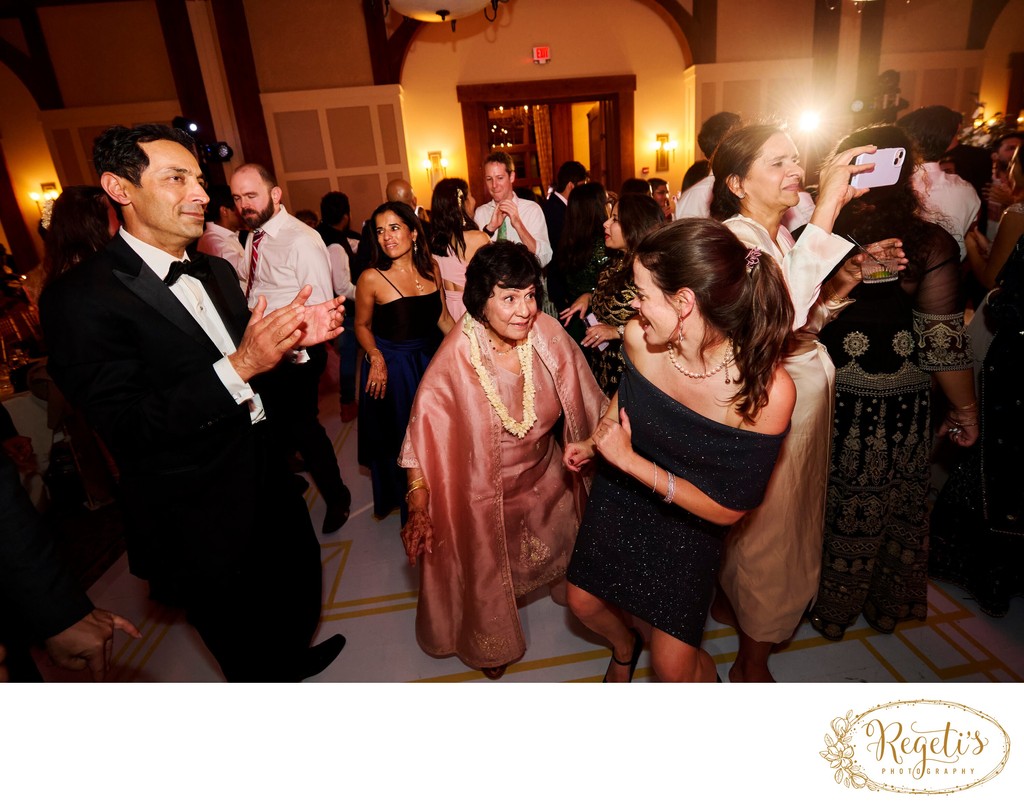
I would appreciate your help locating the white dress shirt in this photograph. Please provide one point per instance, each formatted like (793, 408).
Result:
(220, 241)
(192, 295)
(291, 255)
(532, 216)
(696, 201)
(948, 200)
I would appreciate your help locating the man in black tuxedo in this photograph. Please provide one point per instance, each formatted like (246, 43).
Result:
(166, 366)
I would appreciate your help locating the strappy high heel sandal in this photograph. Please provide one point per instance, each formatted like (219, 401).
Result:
(638, 647)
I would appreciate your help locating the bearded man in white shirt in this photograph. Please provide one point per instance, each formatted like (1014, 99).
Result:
(507, 217)
(282, 255)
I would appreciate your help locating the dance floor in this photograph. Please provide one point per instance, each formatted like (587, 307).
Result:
(370, 597)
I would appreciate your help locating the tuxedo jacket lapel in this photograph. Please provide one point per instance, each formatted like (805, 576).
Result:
(135, 274)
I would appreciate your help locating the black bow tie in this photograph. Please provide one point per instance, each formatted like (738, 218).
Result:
(197, 268)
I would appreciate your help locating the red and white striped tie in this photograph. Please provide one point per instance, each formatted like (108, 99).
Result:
(257, 236)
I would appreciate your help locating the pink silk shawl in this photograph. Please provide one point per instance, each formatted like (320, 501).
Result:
(466, 603)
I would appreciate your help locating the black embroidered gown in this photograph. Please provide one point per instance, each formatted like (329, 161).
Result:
(885, 346)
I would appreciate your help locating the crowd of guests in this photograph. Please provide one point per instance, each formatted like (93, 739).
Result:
(778, 371)
(656, 410)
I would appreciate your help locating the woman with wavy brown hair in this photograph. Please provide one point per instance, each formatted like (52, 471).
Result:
(687, 445)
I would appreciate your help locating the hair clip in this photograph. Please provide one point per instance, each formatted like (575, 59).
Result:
(753, 258)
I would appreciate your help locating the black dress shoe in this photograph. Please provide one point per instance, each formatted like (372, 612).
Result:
(337, 513)
(319, 657)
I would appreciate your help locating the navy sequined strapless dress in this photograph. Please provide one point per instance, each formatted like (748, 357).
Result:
(658, 561)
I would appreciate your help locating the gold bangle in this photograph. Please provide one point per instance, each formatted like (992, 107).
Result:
(419, 483)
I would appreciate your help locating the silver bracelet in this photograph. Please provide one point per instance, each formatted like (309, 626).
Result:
(654, 487)
(671, 493)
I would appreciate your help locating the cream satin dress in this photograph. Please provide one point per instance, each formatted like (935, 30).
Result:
(772, 557)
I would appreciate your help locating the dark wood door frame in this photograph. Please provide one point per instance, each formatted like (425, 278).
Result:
(618, 90)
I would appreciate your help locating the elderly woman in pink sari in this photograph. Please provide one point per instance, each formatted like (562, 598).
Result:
(493, 514)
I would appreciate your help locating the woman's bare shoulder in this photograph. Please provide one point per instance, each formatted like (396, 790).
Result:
(476, 237)
(774, 416)
(368, 279)
(646, 360)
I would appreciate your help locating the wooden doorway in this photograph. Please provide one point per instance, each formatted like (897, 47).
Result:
(614, 94)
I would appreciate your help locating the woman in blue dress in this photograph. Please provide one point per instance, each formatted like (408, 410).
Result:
(687, 445)
(400, 318)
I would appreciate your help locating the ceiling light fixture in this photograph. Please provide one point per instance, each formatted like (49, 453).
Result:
(443, 10)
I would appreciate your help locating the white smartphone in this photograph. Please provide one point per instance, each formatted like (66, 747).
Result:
(888, 163)
(593, 321)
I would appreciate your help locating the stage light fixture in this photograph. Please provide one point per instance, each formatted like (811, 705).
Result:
(185, 124)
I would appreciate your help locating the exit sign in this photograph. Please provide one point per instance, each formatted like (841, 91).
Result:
(541, 55)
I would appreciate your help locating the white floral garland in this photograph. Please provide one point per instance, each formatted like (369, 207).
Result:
(525, 350)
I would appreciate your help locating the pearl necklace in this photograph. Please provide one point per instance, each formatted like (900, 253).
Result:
(724, 364)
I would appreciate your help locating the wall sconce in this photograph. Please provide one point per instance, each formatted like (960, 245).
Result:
(44, 199)
(662, 146)
(436, 167)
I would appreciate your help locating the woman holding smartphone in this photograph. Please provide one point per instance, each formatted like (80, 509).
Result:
(770, 570)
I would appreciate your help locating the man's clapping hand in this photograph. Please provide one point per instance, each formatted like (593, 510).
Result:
(268, 338)
(322, 322)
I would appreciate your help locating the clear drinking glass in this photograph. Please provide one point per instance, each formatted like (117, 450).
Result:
(880, 271)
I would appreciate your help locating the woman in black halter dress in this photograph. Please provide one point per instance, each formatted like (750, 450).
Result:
(400, 319)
